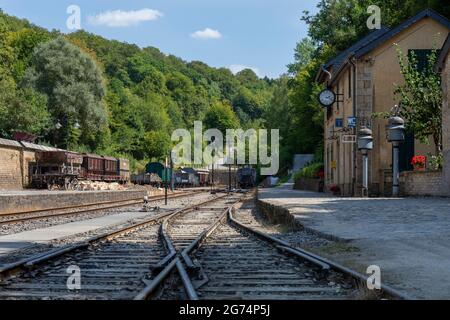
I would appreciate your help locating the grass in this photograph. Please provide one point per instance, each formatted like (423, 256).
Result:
(339, 247)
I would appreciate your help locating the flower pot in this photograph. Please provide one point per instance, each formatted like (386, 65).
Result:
(421, 168)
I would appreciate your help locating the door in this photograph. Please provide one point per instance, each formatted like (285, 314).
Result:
(407, 153)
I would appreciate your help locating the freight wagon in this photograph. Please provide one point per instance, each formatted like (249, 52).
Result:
(64, 169)
(157, 168)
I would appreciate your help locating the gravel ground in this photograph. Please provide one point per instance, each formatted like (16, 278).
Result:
(247, 213)
(39, 248)
(13, 228)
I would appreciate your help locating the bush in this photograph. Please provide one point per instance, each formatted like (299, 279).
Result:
(312, 171)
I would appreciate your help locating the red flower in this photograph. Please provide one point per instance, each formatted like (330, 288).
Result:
(419, 161)
(321, 174)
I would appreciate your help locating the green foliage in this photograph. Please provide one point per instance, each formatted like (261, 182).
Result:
(310, 172)
(127, 100)
(421, 98)
(221, 116)
(340, 23)
(304, 52)
(157, 145)
(74, 89)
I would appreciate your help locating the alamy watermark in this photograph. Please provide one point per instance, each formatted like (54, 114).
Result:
(73, 22)
(374, 279)
(74, 280)
(374, 21)
(210, 146)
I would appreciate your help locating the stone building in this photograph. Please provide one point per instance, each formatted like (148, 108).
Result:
(15, 158)
(10, 164)
(363, 77)
(443, 66)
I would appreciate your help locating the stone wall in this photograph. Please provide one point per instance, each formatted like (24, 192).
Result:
(446, 123)
(315, 185)
(39, 200)
(422, 183)
(27, 158)
(10, 168)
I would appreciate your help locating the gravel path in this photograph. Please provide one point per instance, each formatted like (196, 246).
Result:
(174, 204)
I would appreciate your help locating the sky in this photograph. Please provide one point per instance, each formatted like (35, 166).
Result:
(257, 34)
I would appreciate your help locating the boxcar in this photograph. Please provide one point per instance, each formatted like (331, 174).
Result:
(111, 169)
(93, 167)
(124, 170)
(203, 177)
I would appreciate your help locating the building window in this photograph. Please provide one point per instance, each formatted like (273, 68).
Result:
(422, 58)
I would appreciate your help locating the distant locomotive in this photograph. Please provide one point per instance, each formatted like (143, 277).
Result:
(64, 169)
(246, 178)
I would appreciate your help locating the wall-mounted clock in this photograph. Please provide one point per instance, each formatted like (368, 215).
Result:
(327, 97)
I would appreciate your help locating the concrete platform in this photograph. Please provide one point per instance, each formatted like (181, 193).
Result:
(10, 243)
(408, 238)
(27, 200)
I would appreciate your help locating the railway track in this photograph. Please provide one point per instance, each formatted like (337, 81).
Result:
(200, 252)
(11, 218)
(115, 265)
(230, 260)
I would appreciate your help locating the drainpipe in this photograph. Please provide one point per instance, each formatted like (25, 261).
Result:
(352, 62)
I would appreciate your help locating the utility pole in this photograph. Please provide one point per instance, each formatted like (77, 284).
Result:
(166, 183)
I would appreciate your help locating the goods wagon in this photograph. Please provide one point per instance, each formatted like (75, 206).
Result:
(147, 178)
(124, 170)
(56, 168)
(64, 169)
(158, 168)
(185, 179)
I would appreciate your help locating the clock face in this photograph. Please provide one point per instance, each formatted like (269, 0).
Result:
(327, 97)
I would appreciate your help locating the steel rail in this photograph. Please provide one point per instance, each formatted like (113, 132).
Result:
(118, 205)
(176, 263)
(314, 258)
(40, 258)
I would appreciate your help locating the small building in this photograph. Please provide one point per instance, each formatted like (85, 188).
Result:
(10, 164)
(364, 78)
(15, 158)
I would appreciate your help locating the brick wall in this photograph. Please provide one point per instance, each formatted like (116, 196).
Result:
(10, 168)
(422, 183)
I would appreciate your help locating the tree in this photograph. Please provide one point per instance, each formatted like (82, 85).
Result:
(421, 98)
(340, 23)
(304, 52)
(74, 88)
(221, 116)
(157, 144)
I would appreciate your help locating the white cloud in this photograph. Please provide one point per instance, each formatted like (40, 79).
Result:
(120, 18)
(208, 33)
(235, 68)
